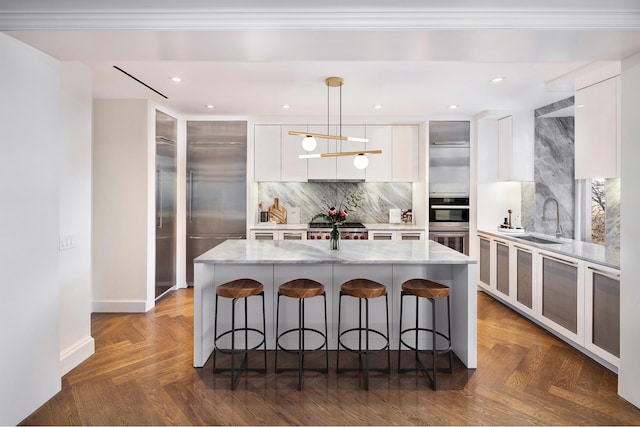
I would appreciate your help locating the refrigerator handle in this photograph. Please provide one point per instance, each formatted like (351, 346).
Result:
(160, 197)
(190, 195)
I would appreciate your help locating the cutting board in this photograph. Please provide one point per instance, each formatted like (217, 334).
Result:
(277, 212)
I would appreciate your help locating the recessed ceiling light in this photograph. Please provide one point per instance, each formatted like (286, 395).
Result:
(211, 107)
(377, 106)
(176, 79)
(286, 107)
(580, 106)
(497, 79)
(453, 107)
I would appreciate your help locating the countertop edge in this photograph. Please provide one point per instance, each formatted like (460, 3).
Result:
(568, 247)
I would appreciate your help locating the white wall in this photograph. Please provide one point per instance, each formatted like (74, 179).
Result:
(123, 206)
(29, 257)
(76, 343)
(629, 372)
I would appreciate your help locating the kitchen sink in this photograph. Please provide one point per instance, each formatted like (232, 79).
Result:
(535, 239)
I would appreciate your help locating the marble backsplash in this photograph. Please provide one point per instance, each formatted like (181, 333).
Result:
(554, 177)
(313, 197)
(554, 174)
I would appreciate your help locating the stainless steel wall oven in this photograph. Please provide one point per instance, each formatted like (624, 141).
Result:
(449, 222)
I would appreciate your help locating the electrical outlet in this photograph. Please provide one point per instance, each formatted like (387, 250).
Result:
(67, 242)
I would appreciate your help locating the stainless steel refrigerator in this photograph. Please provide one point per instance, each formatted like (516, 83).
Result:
(216, 185)
(166, 133)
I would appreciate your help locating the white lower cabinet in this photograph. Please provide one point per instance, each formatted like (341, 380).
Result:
(396, 235)
(562, 295)
(602, 312)
(575, 299)
(278, 234)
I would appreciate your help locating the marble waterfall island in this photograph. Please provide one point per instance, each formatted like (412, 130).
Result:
(387, 262)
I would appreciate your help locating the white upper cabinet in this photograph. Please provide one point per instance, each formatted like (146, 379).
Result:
(399, 161)
(276, 153)
(380, 165)
(325, 167)
(406, 159)
(597, 130)
(267, 154)
(293, 168)
(516, 147)
(345, 166)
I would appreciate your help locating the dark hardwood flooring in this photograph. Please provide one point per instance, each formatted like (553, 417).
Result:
(142, 374)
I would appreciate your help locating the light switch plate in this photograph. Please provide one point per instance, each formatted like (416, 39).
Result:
(67, 242)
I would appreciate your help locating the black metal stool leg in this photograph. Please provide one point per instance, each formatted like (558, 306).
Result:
(386, 297)
(366, 351)
(449, 334)
(433, 348)
(215, 334)
(339, 342)
(277, 331)
(326, 331)
(400, 334)
(233, 342)
(264, 329)
(300, 340)
(417, 328)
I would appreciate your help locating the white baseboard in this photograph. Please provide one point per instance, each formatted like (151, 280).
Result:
(137, 306)
(74, 355)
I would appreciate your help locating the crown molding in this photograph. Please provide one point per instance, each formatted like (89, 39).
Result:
(348, 20)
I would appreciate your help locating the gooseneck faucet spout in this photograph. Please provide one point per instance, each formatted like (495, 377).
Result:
(544, 209)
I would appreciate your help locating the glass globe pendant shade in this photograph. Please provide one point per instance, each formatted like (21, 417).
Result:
(309, 143)
(360, 161)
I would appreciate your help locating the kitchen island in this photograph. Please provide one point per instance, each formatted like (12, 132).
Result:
(388, 262)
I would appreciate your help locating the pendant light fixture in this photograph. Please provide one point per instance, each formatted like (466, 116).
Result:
(309, 142)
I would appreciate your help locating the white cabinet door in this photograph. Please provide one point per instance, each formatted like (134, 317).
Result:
(561, 285)
(516, 147)
(292, 235)
(597, 136)
(380, 167)
(485, 261)
(263, 234)
(410, 235)
(602, 312)
(345, 166)
(382, 235)
(405, 159)
(323, 168)
(266, 153)
(293, 169)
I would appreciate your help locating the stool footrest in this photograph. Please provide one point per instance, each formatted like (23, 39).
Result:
(322, 370)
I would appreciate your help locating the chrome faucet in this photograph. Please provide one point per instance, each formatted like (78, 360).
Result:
(544, 209)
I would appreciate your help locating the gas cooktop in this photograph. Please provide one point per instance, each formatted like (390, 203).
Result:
(344, 225)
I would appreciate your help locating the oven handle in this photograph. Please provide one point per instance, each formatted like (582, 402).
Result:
(449, 207)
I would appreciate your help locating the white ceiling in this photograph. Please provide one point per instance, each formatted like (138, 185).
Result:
(248, 59)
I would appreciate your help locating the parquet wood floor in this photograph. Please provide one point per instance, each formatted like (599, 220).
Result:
(142, 374)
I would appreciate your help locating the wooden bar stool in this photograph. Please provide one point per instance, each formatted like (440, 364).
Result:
(239, 289)
(302, 289)
(363, 289)
(423, 288)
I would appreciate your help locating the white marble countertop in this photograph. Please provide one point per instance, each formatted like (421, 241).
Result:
(597, 254)
(318, 252)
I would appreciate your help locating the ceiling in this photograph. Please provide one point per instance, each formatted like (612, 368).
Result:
(249, 59)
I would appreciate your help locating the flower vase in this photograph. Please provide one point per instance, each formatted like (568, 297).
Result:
(334, 238)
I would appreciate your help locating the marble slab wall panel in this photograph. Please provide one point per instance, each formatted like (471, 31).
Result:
(528, 205)
(554, 174)
(313, 197)
(612, 213)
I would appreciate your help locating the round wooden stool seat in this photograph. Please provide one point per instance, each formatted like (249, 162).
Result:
(301, 288)
(424, 288)
(240, 288)
(363, 288)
